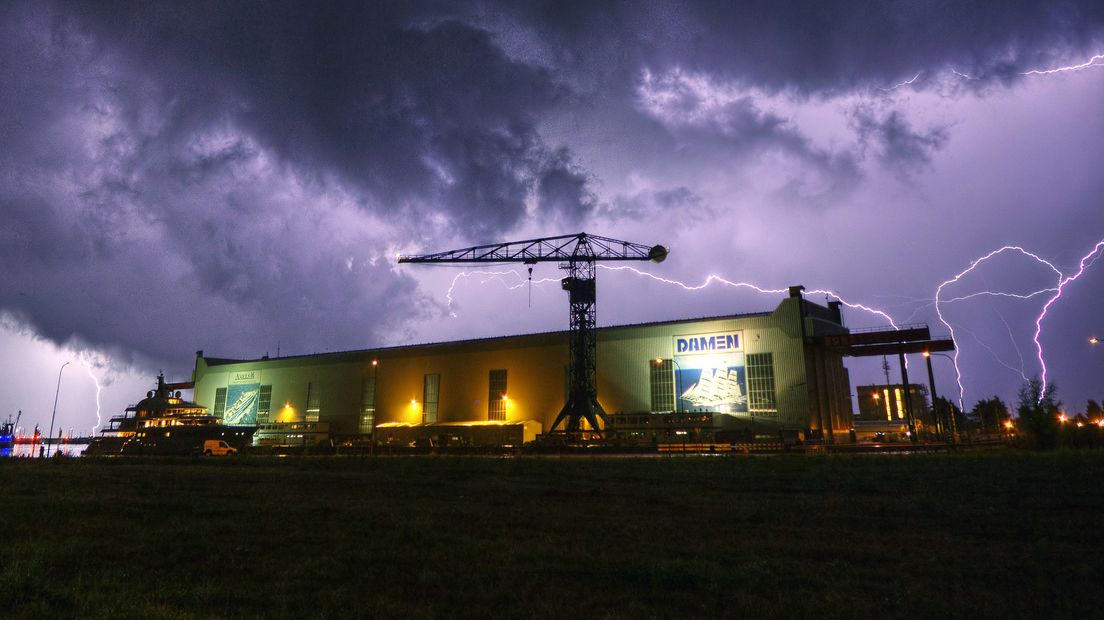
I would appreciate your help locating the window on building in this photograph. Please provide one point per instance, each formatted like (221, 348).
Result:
(314, 402)
(496, 402)
(663, 385)
(220, 402)
(760, 383)
(264, 404)
(368, 406)
(431, 394)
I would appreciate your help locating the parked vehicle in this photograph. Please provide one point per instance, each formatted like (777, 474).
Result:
(217, 447)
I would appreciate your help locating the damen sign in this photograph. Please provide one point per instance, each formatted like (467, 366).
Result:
(710, 373)
(707, 343)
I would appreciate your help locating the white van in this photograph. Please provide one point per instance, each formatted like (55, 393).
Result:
(217, 447)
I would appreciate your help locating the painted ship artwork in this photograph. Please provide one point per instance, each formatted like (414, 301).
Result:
(163, 424)
(717, 388)
(243, 409)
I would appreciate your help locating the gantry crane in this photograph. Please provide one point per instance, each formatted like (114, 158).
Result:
(576, 254)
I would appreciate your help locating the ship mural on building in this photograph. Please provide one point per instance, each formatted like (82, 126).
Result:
(242, 395)
(718, 389)
(710, 372)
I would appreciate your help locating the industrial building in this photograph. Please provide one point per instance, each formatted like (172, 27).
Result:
(886, 402)
(741, 377)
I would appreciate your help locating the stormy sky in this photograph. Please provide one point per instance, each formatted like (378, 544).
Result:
(238, 177)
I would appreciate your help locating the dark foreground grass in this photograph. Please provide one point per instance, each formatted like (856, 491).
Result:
(993, 535)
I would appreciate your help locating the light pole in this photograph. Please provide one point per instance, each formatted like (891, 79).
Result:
(908, 396)
(375, 409)
(52, 415)
(951, 429)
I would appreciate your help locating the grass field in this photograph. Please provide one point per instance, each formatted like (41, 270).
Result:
(985, 535)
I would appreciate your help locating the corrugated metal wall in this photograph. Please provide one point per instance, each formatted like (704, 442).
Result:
(535, 374)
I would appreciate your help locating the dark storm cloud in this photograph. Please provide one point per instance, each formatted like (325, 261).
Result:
(240, 173)
(727, 124)
(893, 139)
(814, 48)
(667, 209)
(140, 219)
(421, 118)
(562, 187)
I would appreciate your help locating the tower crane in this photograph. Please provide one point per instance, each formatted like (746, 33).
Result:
(577, 255)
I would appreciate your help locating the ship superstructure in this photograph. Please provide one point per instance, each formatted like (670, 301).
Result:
(164, 423)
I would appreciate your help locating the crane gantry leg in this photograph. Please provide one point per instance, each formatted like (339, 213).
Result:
(582, 395)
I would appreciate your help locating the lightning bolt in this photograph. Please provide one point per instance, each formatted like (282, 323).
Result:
(997, 358)
(928, 303)
(99, 388)
(1056, 292)
(715, 278)
(1092, 62)
(973, 265)
(489, 276)
(963, 75)
(1012, 339)
(896, 86)
(1000, 294)
(1086, 260)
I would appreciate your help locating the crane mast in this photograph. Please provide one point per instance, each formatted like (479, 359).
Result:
(578, 255)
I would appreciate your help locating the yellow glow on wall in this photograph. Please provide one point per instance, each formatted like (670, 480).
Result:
(287, 414)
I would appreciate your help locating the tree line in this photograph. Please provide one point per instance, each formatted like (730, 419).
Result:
(1040, 421)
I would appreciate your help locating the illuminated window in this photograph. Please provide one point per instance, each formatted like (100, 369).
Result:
(220, 402)
(496, 405)
(431, 394)
(314, 402)
(760, 384)
(368, 405)
(264, 404)
(663, 385)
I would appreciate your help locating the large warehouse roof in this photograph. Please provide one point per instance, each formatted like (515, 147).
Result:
(217, 361)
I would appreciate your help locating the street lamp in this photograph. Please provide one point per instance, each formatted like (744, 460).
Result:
(375, 407)
(950, 429)
(52, 415)
(375, 397)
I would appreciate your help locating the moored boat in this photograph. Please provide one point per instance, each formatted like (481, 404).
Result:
(165, 424)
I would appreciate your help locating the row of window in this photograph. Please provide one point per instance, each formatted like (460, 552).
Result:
(760, 385)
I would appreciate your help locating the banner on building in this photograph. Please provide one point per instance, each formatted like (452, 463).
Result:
(709, 372)
(243, 391)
